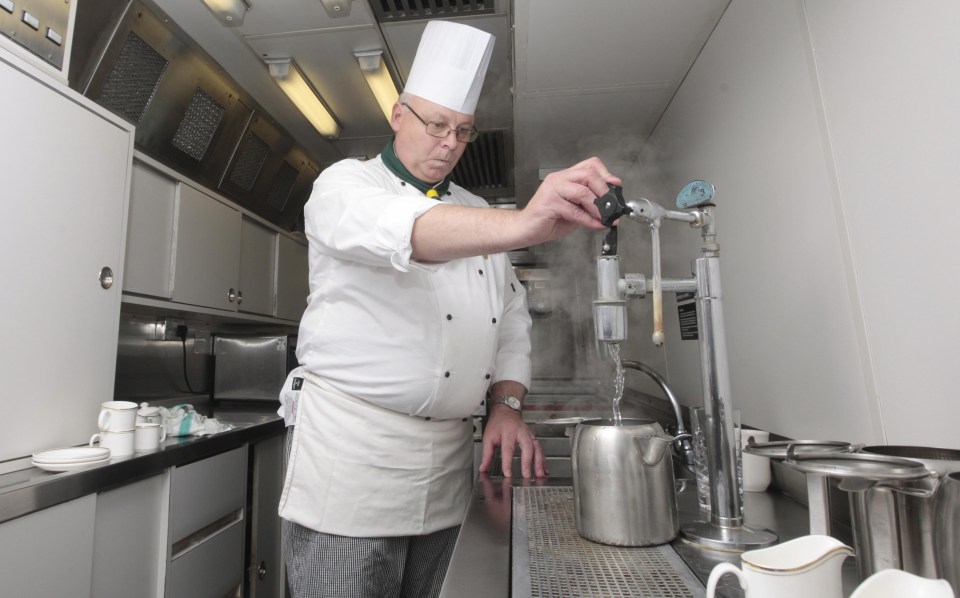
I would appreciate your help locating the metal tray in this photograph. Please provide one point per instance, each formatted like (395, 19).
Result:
(856, 465)
(778, 449)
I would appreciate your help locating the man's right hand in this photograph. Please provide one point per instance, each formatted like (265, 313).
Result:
(565, 199)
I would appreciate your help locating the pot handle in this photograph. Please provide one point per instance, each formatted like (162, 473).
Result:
(719, 571)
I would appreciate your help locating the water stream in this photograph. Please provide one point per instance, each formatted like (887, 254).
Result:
(614, 350)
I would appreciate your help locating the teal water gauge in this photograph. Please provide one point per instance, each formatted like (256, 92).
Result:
(695, 193)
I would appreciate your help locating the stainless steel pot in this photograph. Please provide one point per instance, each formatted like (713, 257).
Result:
(947, 530)
(623, 484)
(893, 521)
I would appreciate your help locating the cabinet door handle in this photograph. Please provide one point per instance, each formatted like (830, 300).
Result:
(262, 571)
(231, 295)
(239, 297)
(106, 277)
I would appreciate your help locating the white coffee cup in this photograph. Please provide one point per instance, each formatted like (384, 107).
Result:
(756, 469)
(148, 437)
(117, 416)
(119, 443)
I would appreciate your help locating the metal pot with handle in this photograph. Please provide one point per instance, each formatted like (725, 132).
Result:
(947, 530)
(623, 485)
(891, 504)
(897, 518)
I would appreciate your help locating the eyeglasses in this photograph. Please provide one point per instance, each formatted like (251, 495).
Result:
(436, 129)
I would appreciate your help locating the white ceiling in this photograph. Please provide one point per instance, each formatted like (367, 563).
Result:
(575, 78)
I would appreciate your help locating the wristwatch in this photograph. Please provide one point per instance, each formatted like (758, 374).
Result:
(510, 401)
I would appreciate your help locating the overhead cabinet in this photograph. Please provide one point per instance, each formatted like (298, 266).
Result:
(293, 283)
(207, 256)
(258, 268)
(189, 247)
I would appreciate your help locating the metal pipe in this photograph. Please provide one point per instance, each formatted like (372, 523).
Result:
(725, 530)
(719, 434)
(609, 308)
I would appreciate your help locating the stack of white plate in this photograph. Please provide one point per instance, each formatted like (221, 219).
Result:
(65, 459)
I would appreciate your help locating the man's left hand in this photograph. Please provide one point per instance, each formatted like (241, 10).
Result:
(507, 430)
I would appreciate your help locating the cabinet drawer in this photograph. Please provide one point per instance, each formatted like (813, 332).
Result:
(207, 490)
(210, 569)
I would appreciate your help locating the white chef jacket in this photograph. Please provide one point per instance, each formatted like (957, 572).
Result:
(398, 355)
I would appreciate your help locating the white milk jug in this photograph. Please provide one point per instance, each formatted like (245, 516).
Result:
(894, 583)
(801, 568)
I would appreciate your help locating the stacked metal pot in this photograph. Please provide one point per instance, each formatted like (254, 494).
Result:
(904, 506)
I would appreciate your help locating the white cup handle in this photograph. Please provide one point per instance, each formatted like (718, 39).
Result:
(163, 432)
(104, 420)
(721, 570)
(94, 439)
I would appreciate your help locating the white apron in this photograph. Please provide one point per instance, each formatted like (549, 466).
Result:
(359, 470)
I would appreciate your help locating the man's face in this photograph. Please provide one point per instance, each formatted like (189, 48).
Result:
(426, 157)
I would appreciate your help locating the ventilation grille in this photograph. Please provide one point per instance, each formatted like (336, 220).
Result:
(134, 79)
(387, 11)
(198, 126)
(282, 186)
(483, 164)
(250, 159)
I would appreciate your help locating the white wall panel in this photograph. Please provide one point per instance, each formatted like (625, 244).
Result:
(891, 88)
(748, 118)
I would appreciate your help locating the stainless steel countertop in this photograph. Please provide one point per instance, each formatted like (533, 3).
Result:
(481, 563)
(25, 489)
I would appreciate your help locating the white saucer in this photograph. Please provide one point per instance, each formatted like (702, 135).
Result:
(68, 466)
(79, 454)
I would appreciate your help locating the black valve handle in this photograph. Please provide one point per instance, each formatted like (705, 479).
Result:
(611, 205)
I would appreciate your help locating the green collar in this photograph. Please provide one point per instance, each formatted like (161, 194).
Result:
(393, 163)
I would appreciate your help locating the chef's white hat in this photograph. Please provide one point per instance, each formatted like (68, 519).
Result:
(450, 65)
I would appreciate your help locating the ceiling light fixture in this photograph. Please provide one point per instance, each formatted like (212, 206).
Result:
(295, 84)
(378, 78)
(230, 12)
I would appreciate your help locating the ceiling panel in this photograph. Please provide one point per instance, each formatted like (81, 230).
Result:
(274, 16)
(592, 78)
(627, 42)
(557, 131)
(327, 58)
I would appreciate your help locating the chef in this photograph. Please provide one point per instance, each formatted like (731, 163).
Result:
(414, 317)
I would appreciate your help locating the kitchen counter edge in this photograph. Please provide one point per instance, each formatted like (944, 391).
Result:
(49, 490)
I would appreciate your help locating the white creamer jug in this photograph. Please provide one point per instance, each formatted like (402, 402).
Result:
(801, 568)
(894, 583)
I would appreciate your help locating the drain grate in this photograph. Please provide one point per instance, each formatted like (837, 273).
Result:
(562, 564)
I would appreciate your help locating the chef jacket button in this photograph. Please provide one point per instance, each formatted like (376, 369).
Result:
(451, 193)
(481, 272)
(494, 320)
(446, 374)
(487, 377)
(464, 419)
(449, 317)
(403, 183)
(427, 418)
